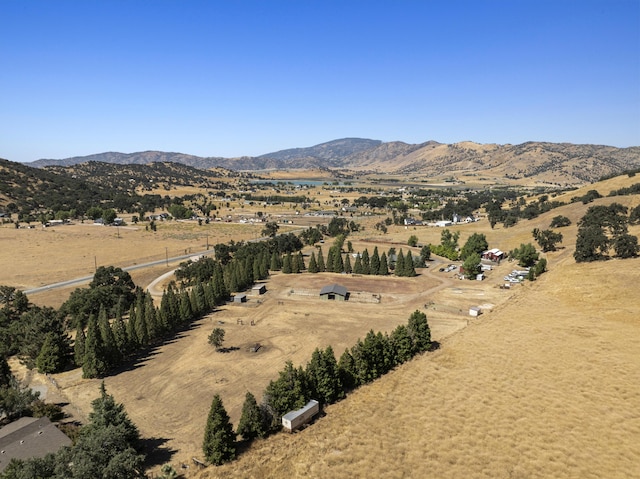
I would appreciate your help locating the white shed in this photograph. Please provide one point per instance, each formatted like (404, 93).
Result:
(258, 289)
(475, 311)
(295, 419)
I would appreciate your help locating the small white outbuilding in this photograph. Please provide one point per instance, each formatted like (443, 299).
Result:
(295, 419)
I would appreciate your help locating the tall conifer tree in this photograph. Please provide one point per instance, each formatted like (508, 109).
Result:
(219, 445)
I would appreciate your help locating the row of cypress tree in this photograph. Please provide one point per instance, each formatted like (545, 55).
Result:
(366, 264)
(324, 379)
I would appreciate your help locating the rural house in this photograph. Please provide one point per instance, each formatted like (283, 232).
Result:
(28, 438)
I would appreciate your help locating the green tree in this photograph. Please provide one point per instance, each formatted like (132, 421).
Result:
(419, 331)
(375, 262)
(592, 244)
(216, 338)
(347, 371)
(78, 347)
(321, 265)
(219, 444)
(251, 423)
(366, 262)
(357, 267)
(94, 364)
(626, 246)
(409, 267)
(477, 243)
(347, 264)
(287, 267)
(526, 255)
(472, 266)
(402, 344)
(313, 265)
(52, 357)
(270, 229)
(425, 253)
(547, 239)
(413, 241)
(384, 266)
(322, 373)
(289, 392)
(559, 221)
(400, 268)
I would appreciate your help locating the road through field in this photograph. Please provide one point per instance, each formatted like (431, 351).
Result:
(85, 279)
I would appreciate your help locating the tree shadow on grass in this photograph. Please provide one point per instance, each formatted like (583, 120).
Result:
(156, 452)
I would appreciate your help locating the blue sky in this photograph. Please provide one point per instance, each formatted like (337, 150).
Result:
(232, 78)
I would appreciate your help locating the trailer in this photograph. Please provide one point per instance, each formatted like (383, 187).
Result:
(296, 419)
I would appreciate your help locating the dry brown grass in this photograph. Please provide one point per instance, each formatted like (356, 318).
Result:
(544, 385)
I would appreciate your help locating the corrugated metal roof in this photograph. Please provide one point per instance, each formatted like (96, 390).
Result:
(334, 289)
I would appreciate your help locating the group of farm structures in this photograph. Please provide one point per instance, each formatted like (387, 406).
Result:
(168, 393)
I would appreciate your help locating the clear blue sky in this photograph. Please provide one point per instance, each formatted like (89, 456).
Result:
(231, 78)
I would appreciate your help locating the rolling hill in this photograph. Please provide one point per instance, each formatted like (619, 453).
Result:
(559, 164)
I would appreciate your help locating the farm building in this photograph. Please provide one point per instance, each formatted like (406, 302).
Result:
(259, 289)
(295, 419)
(240, 298)
(29, 437)
(493, 255)
(334, 292)
(474, 311)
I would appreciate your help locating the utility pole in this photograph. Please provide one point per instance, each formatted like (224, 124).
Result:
(166, 253)
(95, 262)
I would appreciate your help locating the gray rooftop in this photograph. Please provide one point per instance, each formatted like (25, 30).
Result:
(29, 437)
(334, 289)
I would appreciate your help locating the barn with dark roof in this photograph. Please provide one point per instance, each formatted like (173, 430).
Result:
(334, 292)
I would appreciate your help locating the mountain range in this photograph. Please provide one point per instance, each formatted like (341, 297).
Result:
(543, 162)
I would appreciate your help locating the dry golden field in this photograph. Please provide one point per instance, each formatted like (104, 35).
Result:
(545, 383)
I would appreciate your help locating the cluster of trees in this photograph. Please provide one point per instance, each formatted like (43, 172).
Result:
(521, 210)
(106, 344)
(603, 228)
(365, 263)
(324, 378)
(630, 190)
(111, 288)
(448, 247)
(14, 400)
(40, 195)
(588, 197)
(528, 257)
(36, 334)
(107, 447)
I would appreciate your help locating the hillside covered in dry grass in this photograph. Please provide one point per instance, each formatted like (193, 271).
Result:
(534, 162)
(545, 385)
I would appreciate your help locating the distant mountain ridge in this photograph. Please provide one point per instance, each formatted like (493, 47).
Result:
(555, 163)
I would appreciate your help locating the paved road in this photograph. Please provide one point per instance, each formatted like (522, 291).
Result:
(86, 279)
